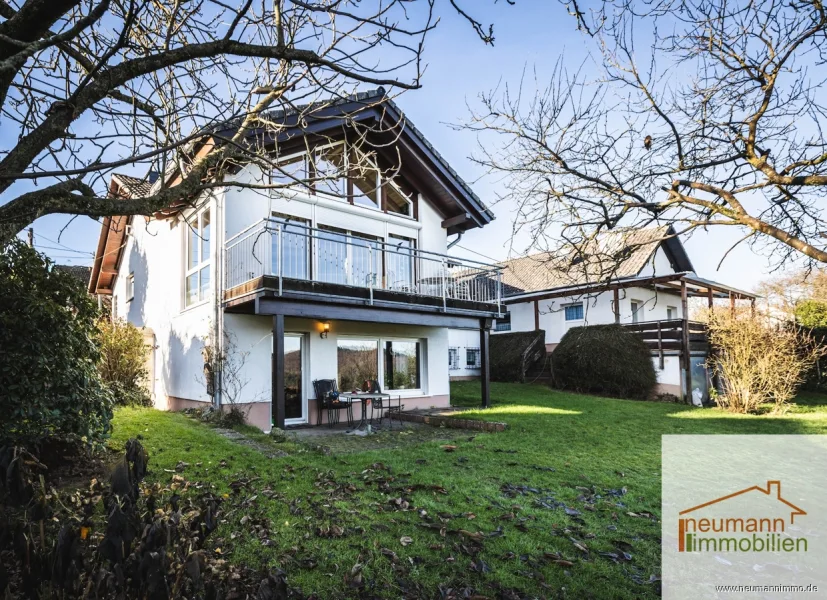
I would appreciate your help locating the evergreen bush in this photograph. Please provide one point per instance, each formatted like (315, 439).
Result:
(604, 359)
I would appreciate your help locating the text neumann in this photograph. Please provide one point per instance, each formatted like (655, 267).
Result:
(766, 536)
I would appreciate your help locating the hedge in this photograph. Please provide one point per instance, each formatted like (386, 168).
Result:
(604, 359)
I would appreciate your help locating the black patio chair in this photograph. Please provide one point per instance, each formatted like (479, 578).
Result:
(381, 404)
(328, 398)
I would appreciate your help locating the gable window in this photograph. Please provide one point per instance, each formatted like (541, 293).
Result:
(397, 200)
(402, 365)
(637, 311)
(130, 287)
(328, 170)
(347, 173)
(290, 170)
(364, 178)
(197, 276)
(453, 359)
(574, 312)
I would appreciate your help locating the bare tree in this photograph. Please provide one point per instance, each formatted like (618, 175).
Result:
(89, 86)
(694, 113)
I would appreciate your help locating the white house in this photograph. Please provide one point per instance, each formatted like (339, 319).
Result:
(640, 278)
(344, 278)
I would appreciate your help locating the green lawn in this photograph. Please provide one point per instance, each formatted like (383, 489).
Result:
(559, 497)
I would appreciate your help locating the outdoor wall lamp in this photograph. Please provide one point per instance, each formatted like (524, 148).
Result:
(325, 330)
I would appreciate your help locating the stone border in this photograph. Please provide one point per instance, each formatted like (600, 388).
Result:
(452, 422)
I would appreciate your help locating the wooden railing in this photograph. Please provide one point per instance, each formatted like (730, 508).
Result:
(675, 334)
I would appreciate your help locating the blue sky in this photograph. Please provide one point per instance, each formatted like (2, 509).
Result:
(533, 33)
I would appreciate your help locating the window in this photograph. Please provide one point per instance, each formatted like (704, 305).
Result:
(358, 361)
(348, 173)
(671, 313)
(574, 312)
(330, 167)
(130, 287)
(397, 200)
(290, 170)
(295, 247)
(503, 323)
(364, 178)
(400, 263)
(637, 311)
(197, 278)
(453, 359)
(402, 365)
(114, 308)
(347, 258)
(472, 358)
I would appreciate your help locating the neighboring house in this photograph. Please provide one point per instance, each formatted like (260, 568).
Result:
(346, 280)
(640, 278)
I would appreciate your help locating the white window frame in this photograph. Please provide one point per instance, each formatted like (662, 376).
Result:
(420, 370)
(453, 358)
(671, 312)
(636, 307)
(313, 188)
(130, 286)
(380, 361)
(197, 217)
(572, 305)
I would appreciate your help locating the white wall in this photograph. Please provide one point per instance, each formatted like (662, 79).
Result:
(154, 255)
(462, 339)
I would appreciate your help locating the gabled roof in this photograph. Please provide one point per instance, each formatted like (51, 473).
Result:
(616, 254)
(426, 167)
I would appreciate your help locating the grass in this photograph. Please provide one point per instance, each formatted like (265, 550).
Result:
(572, 484)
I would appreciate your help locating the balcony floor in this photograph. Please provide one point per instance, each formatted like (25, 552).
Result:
(242, 298)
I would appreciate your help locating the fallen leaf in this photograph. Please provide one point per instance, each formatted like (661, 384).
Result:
(405, 540)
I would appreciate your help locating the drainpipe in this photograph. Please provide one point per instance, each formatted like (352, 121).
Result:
(456, 241)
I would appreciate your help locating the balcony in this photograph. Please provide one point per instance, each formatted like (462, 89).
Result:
(287, 258)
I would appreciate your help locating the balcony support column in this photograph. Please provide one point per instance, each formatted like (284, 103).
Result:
(686, 359)
(485, 370)
(277, 400)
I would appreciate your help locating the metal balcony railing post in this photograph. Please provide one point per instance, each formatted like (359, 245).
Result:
(370, 273)
(444, 288)
(499, 291)
(281, 256)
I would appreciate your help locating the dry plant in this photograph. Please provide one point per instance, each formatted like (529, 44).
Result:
(756, 361)
(225, 372)
(181, 89)
(690, 113)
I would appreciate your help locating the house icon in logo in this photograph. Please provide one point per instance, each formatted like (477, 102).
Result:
(725, 532)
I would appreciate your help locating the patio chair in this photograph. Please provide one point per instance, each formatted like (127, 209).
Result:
(327, 398)
(381, 404)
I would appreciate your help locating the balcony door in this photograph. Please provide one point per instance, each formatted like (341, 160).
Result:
(295, 401)
(346, 258)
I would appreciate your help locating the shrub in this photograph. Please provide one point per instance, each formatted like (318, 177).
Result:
(811, 314)
(604, 359)
(506, 351)
(48, 356)
(122, 363)
(758, 362)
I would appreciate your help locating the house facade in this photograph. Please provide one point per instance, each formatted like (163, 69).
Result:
(640, 278)
(341, 273)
